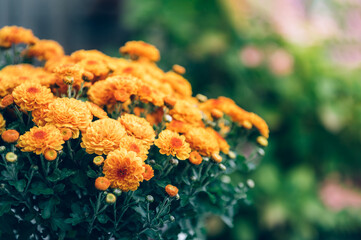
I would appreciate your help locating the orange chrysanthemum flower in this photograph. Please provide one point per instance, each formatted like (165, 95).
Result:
(202, 140)
(148, 173)
(10, 136)
(195, 158)
(141, 49)
(96, 110)
(178, 126)
(97, 66)
(103, 136)
(124, 169)
(2, 123)
(102, 183)
(7, 101)
(222, 143)
(30, 96)
(180, 85)
(69, 113)
(171, 143)
(70, 71)
(138, 127)
(45, 50)
(186, 112)
(14, 35)
(148, 94)
(171, 190)
(131, 143)
(39, 115)
(66, 133)
(50, 154)
(39, 139)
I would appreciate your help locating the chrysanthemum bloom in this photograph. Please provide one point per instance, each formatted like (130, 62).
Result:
(178, 126)
(170, 101)
(156, 117)
(195, 158)
(98, 160)
(69, 113)
(123, 86)
(178, 69)
(124, 169)
(131, 143)
(45, 50)
(101, 93)
(50, 154)
(39, 115)
(171, 143)
(216, 157)
(186, 112)
(30, 96)
(222, 143)
(10, 136)
(74, 71)
(149, 172)
(39, 139)
(171, 190)
(97, 66)
(138, 127)
(148, 94)
(180, 85)
(202, 140)
(102, 183)
(103, 136)
(66, 133)
(96, 110)
(7, 101)
(2, 123)
(14, 35)
(141, 49)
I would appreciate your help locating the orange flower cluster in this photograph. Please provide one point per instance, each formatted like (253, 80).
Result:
(117, 107)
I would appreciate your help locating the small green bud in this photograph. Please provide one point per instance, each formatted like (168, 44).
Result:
(250, 183)
(168, 118)
(225, 179)
(117, 192)
(35, 167)
(152, 161)
(206, 159)
(11, 157)
(111, 198)
(177, 197)
(150, 198)
(201, 97)
(171, 218)
(222, 167)
(194, 178)
(2, 149)
(174, 161)
(232, 155)
(2, 186)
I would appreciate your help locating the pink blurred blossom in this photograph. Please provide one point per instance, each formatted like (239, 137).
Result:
(280, 62)
(251, 56)
(337, 197)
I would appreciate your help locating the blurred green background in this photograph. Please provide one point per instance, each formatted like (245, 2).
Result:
(296, 63)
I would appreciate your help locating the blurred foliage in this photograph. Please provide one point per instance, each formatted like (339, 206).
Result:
(314, 111)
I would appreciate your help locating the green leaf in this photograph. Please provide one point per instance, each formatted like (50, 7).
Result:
(91, 173)
(59, 175)
(48, 208)
(6, 175)
(140, 210)
(4, 207)
(19, 185)
(40, 188)
(80, 179)
(103, 218)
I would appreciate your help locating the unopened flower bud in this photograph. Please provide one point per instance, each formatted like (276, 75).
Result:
(2, 186)
(222, 167)
(215, 113)
(168, 118)
(150, 198)
(241, 185)
(2, 149)
(201, 97)
(178, 69)
(110, 198)
(50, 154)
(35, 167)
(102, 183)
(250, 183)
(231, 155)
(171, 218)
(225, 179)
(206, 159)
(11, 157)
(216, 157)
(117, 192)
(177, 197)
(193, 178)
(98, 160)
(10, 136)
(262, 141)
(261, 152)
(7, 101)
(174, 161)
(171, 190)
(152, 161)
(68, 80)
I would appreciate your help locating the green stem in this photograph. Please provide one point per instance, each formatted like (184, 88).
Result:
(97, 206)
(70, 150)
(19, 115)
